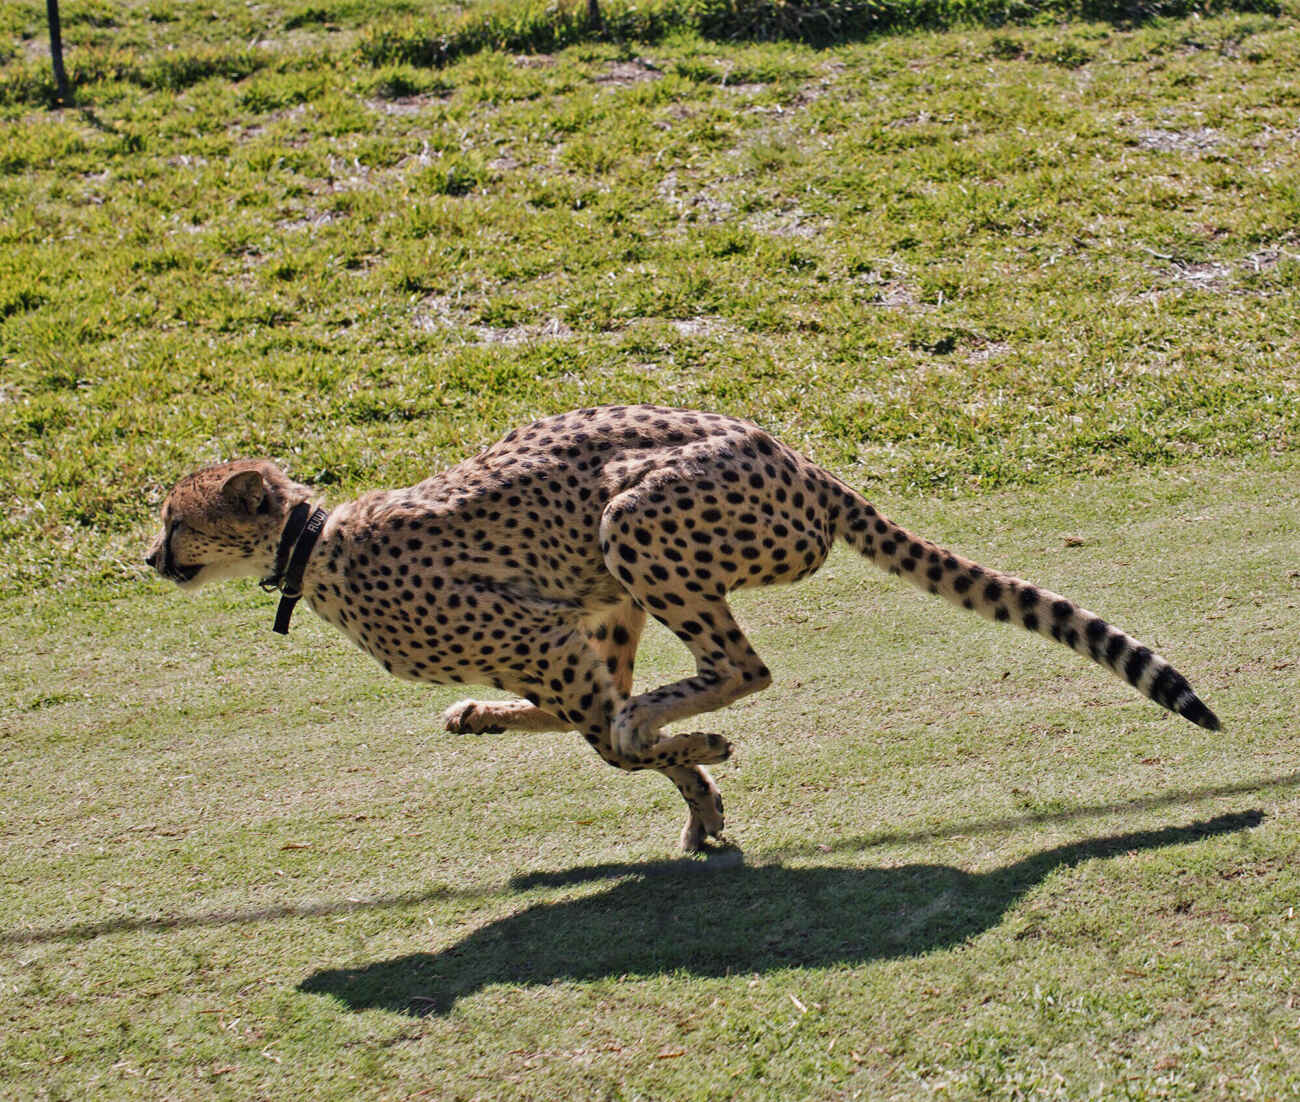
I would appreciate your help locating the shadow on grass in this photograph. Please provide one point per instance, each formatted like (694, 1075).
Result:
(1037, 818)
(85, 931)
(518, 26)
(711, 918)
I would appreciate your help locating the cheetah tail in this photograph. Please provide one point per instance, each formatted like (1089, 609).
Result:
(998, 596)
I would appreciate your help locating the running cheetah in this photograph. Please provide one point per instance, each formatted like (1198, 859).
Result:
(531, 567)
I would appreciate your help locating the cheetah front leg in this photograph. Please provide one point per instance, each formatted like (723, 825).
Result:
(705, 816)
(612, 634)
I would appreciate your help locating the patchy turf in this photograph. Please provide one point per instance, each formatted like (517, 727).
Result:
(938, 261)
(1032, 287)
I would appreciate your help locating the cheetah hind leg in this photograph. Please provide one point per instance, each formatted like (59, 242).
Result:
(705, 819)
(613, 634)
(492, 717)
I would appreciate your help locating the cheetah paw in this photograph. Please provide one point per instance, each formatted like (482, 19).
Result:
(460, 719)
(715, 749)
(700, 828)
(693, 835)
(697, 838)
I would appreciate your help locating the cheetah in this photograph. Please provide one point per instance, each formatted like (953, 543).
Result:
(532, 566)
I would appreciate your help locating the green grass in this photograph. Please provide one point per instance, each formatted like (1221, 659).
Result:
(1033, 287)
(940, 262)
(239, 866)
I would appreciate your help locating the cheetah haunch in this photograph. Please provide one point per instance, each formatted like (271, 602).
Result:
(531, 568)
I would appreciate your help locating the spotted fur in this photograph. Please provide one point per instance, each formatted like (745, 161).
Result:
(531, 567)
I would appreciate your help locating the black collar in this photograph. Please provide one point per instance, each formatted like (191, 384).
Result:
(296, 544)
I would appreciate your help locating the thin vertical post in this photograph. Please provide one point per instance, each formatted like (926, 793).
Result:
(56, 53)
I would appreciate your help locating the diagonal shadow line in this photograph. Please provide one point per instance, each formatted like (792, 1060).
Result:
(87, 931)
(729, 855)
(745, 919)
(1034, 818)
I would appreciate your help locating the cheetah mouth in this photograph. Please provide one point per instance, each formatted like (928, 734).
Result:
(162, 560)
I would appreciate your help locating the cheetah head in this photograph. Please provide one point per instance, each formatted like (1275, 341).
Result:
(224, 522)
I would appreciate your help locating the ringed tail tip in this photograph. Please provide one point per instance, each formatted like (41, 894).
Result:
(1199, 714)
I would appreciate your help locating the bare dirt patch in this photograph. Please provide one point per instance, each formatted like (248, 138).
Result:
(404, 105)
(793, 222)
(310, 220)
(701, 203)
(1221, 276)
(1191, 142)
(624, 73)
(896, 296)
(702, 327)
(993, 350)
(447, 315)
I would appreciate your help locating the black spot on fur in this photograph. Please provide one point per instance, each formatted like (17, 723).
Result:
(1137, 664)
(1095, 631)
(1167, 687)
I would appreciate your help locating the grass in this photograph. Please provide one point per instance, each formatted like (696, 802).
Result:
(1019, 283)
(937, 262)
(243, 868)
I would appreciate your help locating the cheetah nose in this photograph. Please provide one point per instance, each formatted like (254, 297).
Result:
(151, 559)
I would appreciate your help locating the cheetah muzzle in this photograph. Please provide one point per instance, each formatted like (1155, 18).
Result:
(531, 568)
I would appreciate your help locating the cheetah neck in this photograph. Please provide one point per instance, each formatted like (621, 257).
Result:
(297, 542)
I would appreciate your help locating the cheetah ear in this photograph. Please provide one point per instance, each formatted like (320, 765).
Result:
(245, 491)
